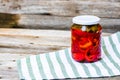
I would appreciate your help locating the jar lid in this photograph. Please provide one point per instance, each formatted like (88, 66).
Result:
(86, 20)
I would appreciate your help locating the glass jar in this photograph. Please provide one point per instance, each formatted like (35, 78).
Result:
(86, 38)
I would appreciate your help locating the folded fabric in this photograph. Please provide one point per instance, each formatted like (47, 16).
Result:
(60, 65)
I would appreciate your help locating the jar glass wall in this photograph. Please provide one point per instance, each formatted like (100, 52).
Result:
(86, 42)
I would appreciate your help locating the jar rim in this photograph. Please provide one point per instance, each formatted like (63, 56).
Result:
(86, 20)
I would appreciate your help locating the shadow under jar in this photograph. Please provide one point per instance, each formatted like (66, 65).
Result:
(86, 38)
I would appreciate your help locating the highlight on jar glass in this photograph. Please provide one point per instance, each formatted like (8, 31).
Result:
(86, 38)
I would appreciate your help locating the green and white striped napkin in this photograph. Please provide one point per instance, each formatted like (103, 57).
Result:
(60, 65)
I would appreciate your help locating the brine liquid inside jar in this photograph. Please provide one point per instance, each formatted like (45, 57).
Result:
(86, 39)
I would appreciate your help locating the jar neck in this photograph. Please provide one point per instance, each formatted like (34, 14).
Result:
(95, 28)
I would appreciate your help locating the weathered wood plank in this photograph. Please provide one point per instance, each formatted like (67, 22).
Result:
(57, 22)
(34, 33)
(50, 22)
(33, 41)
(62, 8)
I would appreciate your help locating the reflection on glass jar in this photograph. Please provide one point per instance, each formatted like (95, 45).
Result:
(86, 38)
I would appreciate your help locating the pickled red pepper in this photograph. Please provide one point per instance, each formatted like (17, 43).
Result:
(86, 46)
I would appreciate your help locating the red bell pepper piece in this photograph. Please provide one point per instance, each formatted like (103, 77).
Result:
(78, 56)
(86, 45)
(92, 54)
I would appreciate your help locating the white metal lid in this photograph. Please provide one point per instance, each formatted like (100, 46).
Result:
(86, 20)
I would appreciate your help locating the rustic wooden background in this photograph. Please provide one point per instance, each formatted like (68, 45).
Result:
(57, 14)
(46, 14)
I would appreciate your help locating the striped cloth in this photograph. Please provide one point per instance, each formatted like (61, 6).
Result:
(60, 65)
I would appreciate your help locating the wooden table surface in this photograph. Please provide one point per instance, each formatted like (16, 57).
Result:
(19, 43)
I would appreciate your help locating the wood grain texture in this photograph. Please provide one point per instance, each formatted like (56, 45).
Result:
(106, 8)
(61, 22)
(35, 41)
(57, 14)
(25, 41)
(19, 43)
(33, 21)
